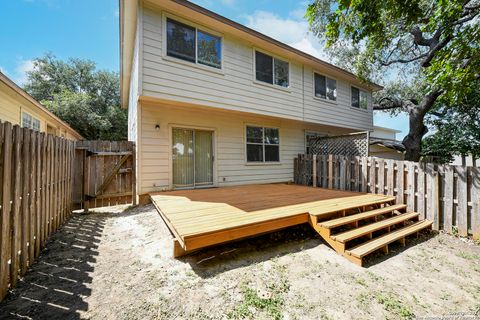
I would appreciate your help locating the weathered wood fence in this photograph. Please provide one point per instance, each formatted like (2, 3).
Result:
(38, 176)
(35, 196)
(104, 174)
(447, 195)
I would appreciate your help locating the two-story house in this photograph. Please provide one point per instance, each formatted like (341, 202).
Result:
(214, 103)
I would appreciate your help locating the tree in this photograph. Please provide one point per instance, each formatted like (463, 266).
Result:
(433, 44)
(457, 131)
(87, 99)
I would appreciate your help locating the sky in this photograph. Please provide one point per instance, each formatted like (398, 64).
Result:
(88, 29)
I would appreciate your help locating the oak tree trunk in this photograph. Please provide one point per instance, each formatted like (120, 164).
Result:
(416, 115)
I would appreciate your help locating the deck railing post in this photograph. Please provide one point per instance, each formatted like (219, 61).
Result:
(314, 170)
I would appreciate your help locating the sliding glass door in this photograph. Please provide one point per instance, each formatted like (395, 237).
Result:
(192, 155)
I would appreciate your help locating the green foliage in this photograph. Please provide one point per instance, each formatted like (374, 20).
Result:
(379, 34)
(457, 129)
(429, 46)
(392, 304)
(87, 99)
(252, 302)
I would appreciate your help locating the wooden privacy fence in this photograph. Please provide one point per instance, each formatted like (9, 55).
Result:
(447, 195)
(35, 196)
(104, 174)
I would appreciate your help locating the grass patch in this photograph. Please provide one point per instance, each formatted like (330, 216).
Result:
(252, 303)
(363, 301)
(468, 256)
(391, 304)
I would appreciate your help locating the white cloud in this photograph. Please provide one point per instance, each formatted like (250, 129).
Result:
(293, 30)
(20, 74)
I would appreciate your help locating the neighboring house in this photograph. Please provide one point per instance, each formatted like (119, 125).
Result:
(384, 144)
(214, 103)
(18, 107)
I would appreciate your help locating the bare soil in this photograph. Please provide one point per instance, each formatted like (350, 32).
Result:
(116, 264)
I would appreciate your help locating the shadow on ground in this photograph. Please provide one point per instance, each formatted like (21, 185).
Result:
(58, 282)
(209, 262)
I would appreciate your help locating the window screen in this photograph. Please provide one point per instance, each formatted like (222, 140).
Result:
(263, 67)
(355, 97)
(320, 86)
(180, 41)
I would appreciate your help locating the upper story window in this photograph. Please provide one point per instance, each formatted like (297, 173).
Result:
(263, 144)
(325, 88)
(271, 70)
(191, 44)
(359, 98)
(30, 122)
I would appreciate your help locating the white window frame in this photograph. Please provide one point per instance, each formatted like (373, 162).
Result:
(32, 120)
(359, 99)
(271, 85)
(264, 162)
(326, 99)
(197, 28)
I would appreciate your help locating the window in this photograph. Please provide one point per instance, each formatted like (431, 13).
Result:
(263, 144)
(359, 98)
(271, 70)
(30, 122)
(325, 88)
(193, 45)
(309, 135)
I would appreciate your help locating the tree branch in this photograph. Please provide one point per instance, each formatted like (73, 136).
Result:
(434, 50)
(388, 63)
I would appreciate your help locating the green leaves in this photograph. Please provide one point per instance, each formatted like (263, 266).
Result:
(87, 99)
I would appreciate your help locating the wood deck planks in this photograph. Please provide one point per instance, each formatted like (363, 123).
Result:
(203, 217)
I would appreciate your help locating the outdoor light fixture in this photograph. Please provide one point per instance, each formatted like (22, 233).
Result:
(157, 127)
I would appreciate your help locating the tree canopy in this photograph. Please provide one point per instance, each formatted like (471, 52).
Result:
(457, 130)
(431, 49)
(86, 98)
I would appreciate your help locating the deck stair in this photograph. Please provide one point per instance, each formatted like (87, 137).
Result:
(364, 230)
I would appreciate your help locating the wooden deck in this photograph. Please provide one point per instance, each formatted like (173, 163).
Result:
(204, 217)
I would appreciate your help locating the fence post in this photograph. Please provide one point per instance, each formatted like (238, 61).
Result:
(435, 200)
(462, 206)
(476, 202)
(314, 170)
(85, 181)
(330, 171)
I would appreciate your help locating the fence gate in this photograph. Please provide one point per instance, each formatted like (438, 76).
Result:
(104, 174)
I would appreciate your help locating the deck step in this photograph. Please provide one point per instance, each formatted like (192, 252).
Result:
(369, 228)
(330, 224)
(380, 242)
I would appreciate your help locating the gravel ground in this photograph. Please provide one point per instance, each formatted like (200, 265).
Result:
(116, 264)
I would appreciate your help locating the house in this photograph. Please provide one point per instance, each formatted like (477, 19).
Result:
(213, 103)
(384, 144)
(18, 107)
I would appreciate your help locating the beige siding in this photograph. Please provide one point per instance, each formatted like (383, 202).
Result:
(386, 153)
(12, 105)
(234, 87)
(230, 165)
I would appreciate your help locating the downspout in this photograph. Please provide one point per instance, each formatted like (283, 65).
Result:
(303, 92)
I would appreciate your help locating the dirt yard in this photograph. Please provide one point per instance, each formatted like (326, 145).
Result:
(116, 264)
